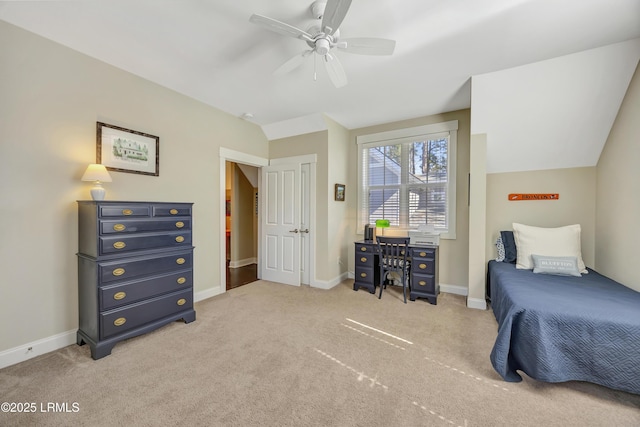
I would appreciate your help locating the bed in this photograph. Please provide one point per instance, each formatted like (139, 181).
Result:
(561, 328)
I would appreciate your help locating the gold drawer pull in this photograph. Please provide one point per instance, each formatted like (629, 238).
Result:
(422, 266)
(181, 301)
(119, 245)
(118, 272)
(179, 224)
(363, 249)
(363, 274)
(181, 280)
(180, 239)
(127, 212)
(119, 227)
(363, 259)
(180, 261)
(120, 295)
(423, 254)
(120, 321)
(173, 211)
(422, 283)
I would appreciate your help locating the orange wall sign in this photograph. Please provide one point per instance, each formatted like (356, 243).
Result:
(546, 196)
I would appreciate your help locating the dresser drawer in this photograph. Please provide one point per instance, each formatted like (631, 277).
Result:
(177, 209)
(124, 210)
(117, 244)
(111, 271)
(141, 225)
(129, 292)
(122, 319)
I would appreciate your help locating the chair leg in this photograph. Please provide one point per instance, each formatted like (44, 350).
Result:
(404, 288)
(381, 284)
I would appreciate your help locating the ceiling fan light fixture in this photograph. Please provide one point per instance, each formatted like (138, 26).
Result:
(323, 46)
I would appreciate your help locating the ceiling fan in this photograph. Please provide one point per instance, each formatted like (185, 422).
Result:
(323, 39)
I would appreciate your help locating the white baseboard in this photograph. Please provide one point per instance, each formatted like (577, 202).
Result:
(36, 348)
(207, 293)
(477, 303)
(454, 289)
(322, 284)
(243, 262)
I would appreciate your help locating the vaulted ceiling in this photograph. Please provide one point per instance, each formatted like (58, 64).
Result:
(210, 51)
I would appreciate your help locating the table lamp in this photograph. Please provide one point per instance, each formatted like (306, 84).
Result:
(382, 223)
(98, 174)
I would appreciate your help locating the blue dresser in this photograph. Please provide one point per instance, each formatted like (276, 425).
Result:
(135, 270)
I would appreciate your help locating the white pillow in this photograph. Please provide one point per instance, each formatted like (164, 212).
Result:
(560, 241)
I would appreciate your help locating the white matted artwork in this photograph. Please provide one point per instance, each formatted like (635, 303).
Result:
(126, 150)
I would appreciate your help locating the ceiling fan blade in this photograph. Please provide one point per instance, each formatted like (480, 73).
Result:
(368, 46)
(335, 70)
(334, 14)
(293, 63)
(280, 27)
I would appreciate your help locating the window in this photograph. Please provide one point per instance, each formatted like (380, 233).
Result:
(408, 177)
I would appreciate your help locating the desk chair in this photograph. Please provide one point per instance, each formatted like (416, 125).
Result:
(392, 252)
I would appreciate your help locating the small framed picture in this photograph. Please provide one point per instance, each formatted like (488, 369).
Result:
(340, 190)
(126, 150)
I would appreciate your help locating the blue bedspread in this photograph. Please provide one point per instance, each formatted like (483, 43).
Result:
(557, 328)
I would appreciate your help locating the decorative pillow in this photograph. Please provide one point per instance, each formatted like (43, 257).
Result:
(560, 241)
(560, 265)
(510, 249)
(500, 248)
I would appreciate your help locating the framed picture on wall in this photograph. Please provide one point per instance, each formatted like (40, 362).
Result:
(126, 150)
(340, 192)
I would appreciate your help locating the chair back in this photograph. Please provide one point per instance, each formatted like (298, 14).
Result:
(393, 253)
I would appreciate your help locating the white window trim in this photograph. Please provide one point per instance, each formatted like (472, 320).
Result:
(395, 137)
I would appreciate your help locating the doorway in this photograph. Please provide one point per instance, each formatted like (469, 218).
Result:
(241, 224)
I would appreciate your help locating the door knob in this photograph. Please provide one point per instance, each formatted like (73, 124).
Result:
(294, 231)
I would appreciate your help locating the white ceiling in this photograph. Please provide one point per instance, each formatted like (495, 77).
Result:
(208, 49)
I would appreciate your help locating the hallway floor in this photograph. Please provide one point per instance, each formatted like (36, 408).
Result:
(241, 275)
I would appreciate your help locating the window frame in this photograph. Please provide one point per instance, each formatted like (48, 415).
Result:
(413, 134)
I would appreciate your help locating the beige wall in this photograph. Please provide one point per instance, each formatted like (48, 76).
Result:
(617, 203)
(576, 205)
(454, 254)
(50, 100)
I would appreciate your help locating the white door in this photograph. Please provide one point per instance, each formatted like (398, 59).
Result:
(281, 224)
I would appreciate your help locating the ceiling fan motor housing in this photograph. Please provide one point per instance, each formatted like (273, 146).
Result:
(317, 9)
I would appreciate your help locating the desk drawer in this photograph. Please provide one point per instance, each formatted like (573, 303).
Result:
(142, 226)
(129, 292)
(111, 271)
(365, 259)
(117, 244)
(365, 274)
(120, 320)
(423, 283)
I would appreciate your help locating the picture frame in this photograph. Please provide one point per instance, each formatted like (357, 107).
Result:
(126, 150)
(340, 192)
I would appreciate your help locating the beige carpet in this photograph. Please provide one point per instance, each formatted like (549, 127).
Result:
(267, 354)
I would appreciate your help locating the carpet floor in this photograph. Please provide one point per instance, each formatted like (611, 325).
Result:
(268, 354)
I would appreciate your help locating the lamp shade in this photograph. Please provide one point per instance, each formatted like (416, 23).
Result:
(383, 223)
(96, 172)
